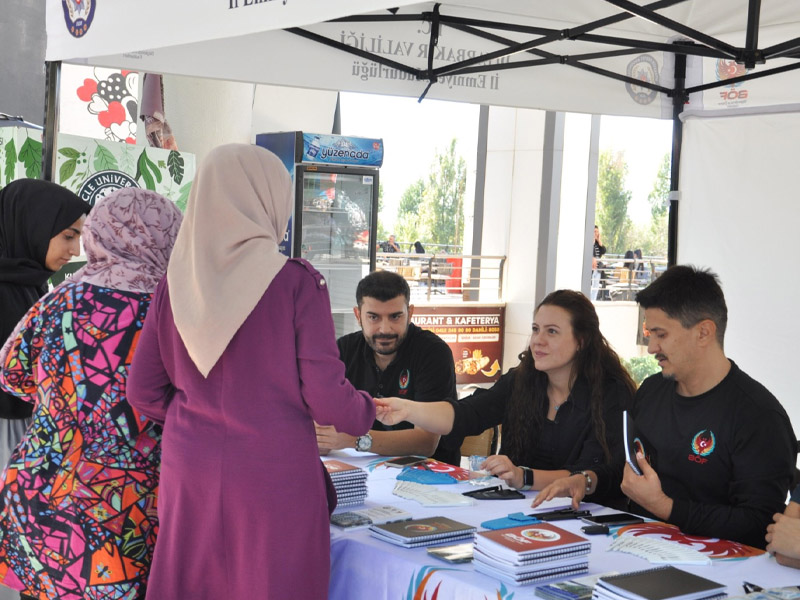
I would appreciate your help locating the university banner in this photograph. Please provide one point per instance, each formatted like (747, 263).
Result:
(474, 334)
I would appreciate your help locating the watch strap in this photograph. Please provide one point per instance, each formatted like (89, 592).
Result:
(527, 478)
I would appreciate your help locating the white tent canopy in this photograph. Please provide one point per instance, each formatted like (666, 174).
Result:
(738, 173)
(594, 56)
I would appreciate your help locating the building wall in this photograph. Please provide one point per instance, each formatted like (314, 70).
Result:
(511, 214)
(22, 45)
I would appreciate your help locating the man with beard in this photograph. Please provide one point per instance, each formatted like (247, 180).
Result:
(391, 356)
(721, 446)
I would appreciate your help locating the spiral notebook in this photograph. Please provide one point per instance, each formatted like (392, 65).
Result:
(660, 583)
(422, 532)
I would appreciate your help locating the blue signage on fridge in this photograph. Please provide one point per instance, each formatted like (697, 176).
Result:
(341, 150)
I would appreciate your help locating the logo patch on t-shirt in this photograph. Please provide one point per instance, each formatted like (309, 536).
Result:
(405, 379)
(703, 444)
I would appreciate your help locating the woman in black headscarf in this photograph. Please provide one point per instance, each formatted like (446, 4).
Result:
(40, 228)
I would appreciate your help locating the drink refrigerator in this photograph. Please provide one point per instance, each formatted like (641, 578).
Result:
(335, 218)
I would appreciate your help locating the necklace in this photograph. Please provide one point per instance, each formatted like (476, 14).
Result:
(560, 404)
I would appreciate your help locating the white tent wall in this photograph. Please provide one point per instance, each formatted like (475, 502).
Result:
(205, 113)
(739, 215)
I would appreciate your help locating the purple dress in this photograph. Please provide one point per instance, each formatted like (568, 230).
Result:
(243, 503)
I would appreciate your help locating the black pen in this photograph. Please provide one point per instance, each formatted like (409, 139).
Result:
(751, 587)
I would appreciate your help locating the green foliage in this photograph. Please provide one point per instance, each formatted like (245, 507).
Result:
(175, 165)
(612, 202)
(641, 367)
(148, 170)
(183, 196)
(11, 160)
(104, 160)
(31, 156)
(432, 209)
(407, 226)
(381, 234)
(659, 197)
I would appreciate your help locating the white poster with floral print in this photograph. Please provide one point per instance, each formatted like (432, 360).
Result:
(99, 103)
(20, 154)
(95, 168)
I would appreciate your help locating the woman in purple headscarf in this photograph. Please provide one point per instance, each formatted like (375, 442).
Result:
(78, 498)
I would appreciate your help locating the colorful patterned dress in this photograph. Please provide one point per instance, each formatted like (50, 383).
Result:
(78, 502)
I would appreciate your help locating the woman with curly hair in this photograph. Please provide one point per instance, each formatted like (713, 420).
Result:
(561, 408)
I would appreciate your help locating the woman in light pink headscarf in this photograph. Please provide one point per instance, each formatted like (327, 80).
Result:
(238, 359)
(78, 499)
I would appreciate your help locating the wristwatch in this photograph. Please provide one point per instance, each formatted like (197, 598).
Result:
(588, 479)
(527, 478)
(364, 443)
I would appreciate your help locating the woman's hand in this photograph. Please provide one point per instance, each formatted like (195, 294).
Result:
(573, 487)
(391, 411)
(501, 466)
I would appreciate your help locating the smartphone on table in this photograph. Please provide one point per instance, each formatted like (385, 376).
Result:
(405, 461)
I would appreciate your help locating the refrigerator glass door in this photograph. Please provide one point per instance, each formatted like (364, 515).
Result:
(336, 220)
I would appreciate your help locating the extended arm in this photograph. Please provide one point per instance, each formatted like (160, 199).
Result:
(436, 417)
(401, 442)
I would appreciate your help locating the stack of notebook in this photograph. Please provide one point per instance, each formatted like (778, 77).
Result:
(350, 482)
(660, 583)
(422, 532)
(531, 553)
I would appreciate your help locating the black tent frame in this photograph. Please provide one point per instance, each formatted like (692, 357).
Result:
(697, 44)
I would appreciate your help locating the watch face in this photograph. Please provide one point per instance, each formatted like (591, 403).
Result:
(364, 443)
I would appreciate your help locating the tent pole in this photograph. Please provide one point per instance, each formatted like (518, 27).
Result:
(51, 102)
(678, 100)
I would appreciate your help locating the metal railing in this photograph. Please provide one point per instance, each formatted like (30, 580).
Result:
(448, 277)
(620, 277)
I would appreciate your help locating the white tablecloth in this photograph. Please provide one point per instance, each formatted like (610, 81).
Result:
(364, 568)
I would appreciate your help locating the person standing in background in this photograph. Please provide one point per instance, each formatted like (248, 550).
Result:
(598, 250)
(237, 359)
(40, 229)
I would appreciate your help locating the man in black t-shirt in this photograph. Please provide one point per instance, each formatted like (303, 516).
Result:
(391, 356)
(721, 447)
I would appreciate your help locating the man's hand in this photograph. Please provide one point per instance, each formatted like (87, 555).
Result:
(329, 439)
(391, 411)
(573, 487)
(783, 540)
(645, 489)
(501, 466)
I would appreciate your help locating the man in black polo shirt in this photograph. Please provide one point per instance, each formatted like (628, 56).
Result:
(722, 447)
(391, 356)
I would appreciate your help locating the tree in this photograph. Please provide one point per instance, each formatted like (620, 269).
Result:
(407, 226)
(659, 204)
(659, 197)
(381, 233)
(432, 210)
(442, 209)
(612, 201)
